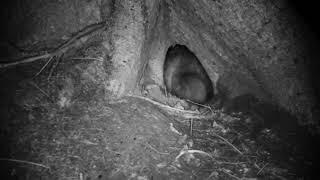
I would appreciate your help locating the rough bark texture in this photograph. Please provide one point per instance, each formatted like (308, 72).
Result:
(127, 42)
(67, 117)
(255, 47)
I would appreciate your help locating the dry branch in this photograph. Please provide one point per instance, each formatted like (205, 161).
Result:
(76, 41)
(26, 162)
(230, 144)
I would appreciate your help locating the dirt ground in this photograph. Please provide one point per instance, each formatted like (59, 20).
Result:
(58, 121)
(65, 126)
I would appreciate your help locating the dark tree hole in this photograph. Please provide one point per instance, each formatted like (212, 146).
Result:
(185, 77)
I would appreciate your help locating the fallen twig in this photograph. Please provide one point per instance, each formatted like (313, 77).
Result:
(231, 175)
(235, 148)
(26, 162)
(205, 106)
(26, 60)
(44, 66)
(42, 91)
(262, 168)
(163, 153)
(53, 67)
(231, 163)
(87, 58)
(77, 40)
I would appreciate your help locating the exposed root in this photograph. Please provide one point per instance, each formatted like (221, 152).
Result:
(178, 112)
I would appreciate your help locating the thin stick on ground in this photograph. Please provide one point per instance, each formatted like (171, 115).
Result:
(44, 66)
(208, 107)
(226, 141)
(231, 175)
(42, 91)
(87, 58)
(26, 60)
(54, 66)
(151, 147)
(262, 168)
(22, 161)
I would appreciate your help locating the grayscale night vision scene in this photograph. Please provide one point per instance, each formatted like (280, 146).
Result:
(159, 90)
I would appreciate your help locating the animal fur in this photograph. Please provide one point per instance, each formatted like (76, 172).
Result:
(185, 77)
